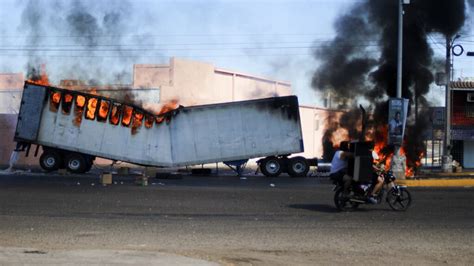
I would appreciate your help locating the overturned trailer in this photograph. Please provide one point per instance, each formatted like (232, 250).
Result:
(74, 128)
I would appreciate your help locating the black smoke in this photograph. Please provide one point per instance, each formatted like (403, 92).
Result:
(360, 63)
(78, 39)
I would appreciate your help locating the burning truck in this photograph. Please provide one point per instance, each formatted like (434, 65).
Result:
(74, 127)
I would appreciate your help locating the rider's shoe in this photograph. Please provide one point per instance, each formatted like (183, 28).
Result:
(372, 200)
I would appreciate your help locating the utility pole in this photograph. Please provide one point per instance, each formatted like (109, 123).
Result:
(398, 162)
(447, 158)
(400, 48)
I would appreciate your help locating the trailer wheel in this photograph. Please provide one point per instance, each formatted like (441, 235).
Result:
(88, 166)
(50, 160)
(298, 167)
(76, 163)
(271, 166)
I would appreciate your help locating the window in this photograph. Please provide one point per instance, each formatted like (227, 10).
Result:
(54, 101)
(127, 115)
(470, 97)
(104, 107)
(469, 110)
(114, 117)
(316, 122)
(91, 108)
(67, 103)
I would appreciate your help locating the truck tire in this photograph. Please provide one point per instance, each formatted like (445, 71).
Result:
(50, 160)
(271, 166)
(298, 167)
(88, 166)
(76, 163)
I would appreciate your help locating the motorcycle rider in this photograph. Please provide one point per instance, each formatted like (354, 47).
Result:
(339, 164)
(377, 180)
(338, 171)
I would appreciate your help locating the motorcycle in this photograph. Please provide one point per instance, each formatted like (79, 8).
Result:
(397, 196)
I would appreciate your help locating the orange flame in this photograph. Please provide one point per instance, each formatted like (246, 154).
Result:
(137, 121)
(170, 106)
(68, 98)
(115, 114)
(80, 100)
(67, 102)
(385, 154)
(79, 110)
(42, 79)
(91, 107)
(93, 91)
(149, 121)
(54, 101)
(103, 110)
(127, 115)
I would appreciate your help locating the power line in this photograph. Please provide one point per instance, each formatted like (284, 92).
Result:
(157, 56)
(176, 49)
(164, 35)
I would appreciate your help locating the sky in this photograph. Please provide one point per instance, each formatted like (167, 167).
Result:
(274, 39)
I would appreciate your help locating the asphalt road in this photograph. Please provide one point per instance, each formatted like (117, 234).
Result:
(227, 220)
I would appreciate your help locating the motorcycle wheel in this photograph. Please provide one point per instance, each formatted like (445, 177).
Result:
(343, 204)
(399, 199)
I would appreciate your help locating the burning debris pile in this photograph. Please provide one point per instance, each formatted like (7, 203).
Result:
(352, 69)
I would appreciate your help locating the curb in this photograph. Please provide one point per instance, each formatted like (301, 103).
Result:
(461, 182)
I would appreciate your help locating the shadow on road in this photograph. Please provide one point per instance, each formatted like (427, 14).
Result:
(315, 207)
(331, 208)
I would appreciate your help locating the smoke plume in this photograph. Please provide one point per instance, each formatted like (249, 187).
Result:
(78, 39)
(360, 63)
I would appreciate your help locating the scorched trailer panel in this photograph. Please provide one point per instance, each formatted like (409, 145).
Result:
(97, 126)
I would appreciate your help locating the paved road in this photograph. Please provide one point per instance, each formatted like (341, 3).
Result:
(227, 220)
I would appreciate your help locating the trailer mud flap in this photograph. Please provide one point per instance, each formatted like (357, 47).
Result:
(31, 108)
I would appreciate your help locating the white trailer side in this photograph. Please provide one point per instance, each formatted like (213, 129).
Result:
(189, 135)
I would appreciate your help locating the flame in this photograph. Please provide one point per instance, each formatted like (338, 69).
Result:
(79, 110)
(115, 114)
(170, 106)
(42, 79)
(80, 100)
(56, 97)
(103, 110)
(149, 121)
(137, 121)
(54, 102)
(67, 101)
(67, 98)
(93, 91)
(127, 115)
(385, 154)
(91, 107)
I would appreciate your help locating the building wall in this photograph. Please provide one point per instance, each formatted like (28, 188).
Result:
(314, 122)
(468, 154)
(148, 75)
(462, 122)
(10, 92)
(194, 83)
(7, 145)
(463, 111)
